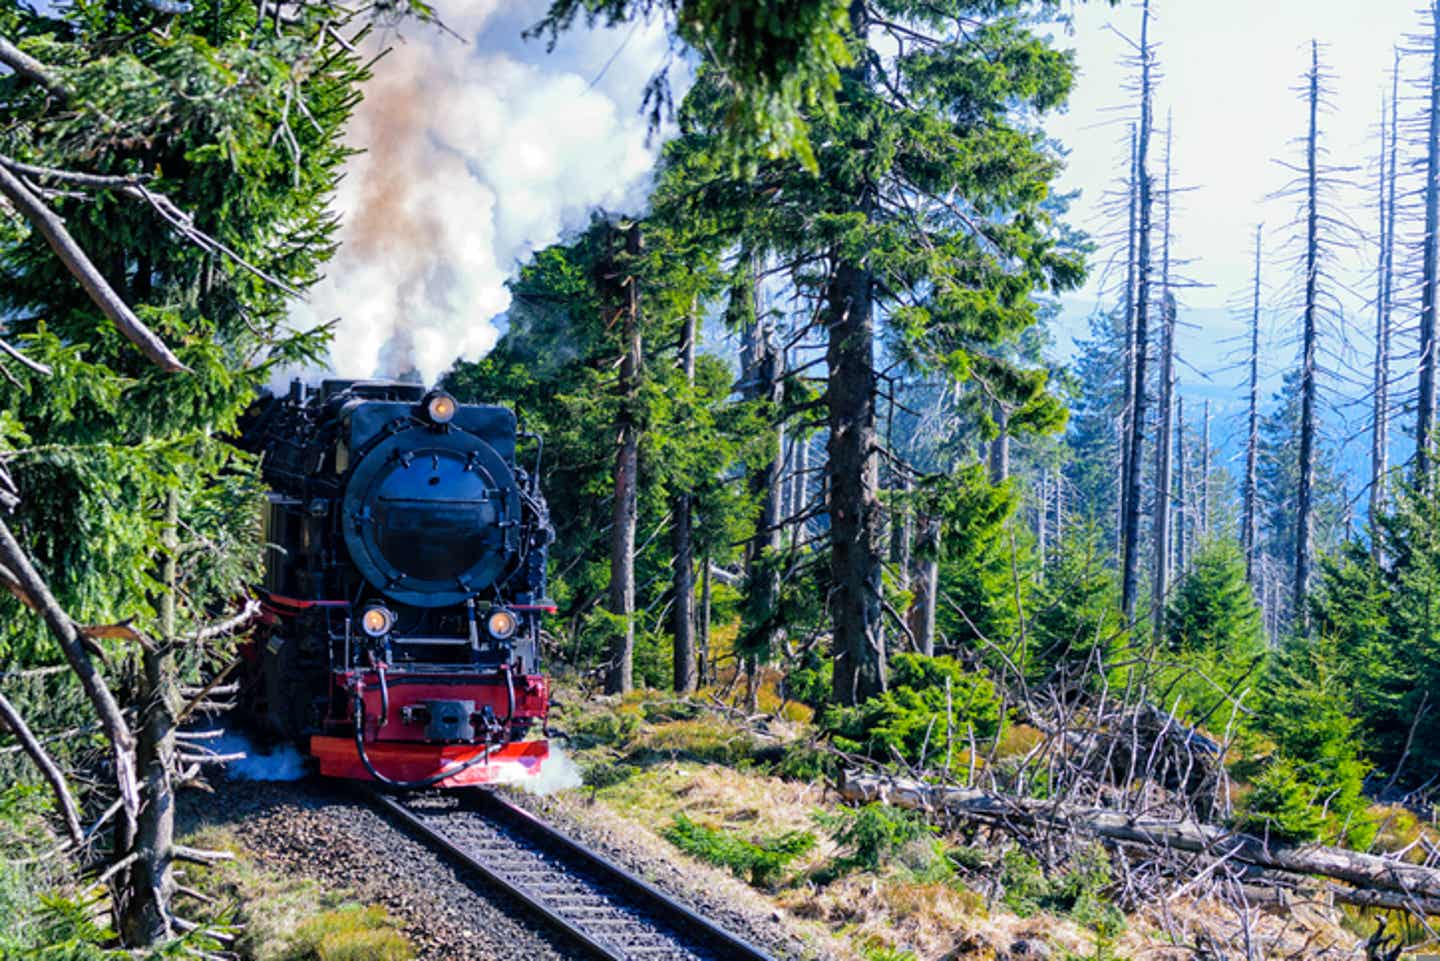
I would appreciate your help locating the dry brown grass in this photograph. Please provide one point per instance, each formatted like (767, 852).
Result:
(903, 907)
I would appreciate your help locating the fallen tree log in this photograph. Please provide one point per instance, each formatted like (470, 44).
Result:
(1407, 885)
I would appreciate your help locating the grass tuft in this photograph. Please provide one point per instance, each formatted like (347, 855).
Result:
(350, 933)
(762, 860)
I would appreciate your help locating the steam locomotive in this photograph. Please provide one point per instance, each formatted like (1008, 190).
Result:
(404, 585)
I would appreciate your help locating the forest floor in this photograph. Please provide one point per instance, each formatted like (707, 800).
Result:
(735, 815)
(701, 799)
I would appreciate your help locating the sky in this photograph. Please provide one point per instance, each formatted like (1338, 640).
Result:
(479, 153)
(1228, 89)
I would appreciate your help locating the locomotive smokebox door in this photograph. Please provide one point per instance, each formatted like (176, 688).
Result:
(450, 721)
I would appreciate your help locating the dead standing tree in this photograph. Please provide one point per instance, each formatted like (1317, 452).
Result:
(619, 276)
(1165, 418)
(1384, 301)
(1309, 340)
(1135, 443)
(1430, 279)
(1249, 524)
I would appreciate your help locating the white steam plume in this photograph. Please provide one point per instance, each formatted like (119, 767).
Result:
(558, 772)
(477, 154)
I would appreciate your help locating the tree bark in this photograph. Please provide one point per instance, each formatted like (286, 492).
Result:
(902, 531)
(1130, 572)
(1164, 447)
(800, 493)
(1000, 446)
(853, 470)
(1205, 471)
(1182, 484)
(144, 900)
(1042, 528)
(620, 678)
(706, 663)
(853, 473)
(1304, 498)
(685, 668)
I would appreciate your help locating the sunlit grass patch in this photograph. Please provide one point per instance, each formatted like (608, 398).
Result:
(350, 933)
(288, 918)
(762, 860)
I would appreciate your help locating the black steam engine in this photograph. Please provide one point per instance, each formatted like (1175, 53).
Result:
(404, 584)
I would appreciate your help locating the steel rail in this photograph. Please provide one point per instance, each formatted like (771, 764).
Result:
(683, 920)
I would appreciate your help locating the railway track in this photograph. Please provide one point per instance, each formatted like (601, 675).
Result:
(604, 909)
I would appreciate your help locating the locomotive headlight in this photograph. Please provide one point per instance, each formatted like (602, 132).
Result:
(377, 621)
(501, 624)
(441, 408)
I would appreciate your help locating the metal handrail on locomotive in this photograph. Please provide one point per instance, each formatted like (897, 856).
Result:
(404, 584)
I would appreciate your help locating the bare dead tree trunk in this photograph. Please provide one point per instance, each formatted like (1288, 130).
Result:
(1042, 508)
(926, 580)
(1127, 410)
(1304, 499)
(1430, 289)
(706, 662)
(800, 489)
(1060, 514)
(1130, 573)
(77, 262)
(1164, 438)
(1000, 446)
(902, 530)
(620, 678)
(764, 380)
(1205, 472)
(1368, 871)
(18, 571)
(31, 745)
(1182, 502)
(685, 668)
(1384, 304)
(1249, 532)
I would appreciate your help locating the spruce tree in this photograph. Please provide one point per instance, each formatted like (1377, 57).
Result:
(925, 222)
(165, 207)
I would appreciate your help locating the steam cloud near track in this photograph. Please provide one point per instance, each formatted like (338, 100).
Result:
(477, 153)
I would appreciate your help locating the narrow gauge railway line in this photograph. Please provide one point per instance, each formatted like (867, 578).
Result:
(607, 911)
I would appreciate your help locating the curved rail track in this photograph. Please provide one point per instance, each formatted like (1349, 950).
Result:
(607, 911)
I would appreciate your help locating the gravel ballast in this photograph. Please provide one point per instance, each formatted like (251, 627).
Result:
(325, 832)
(319, 831)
